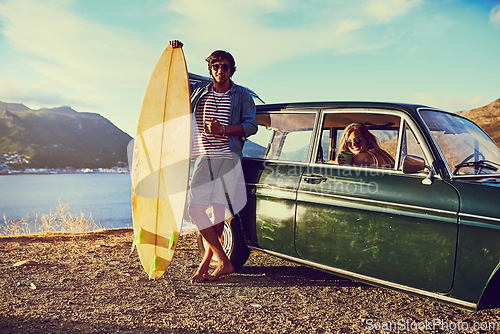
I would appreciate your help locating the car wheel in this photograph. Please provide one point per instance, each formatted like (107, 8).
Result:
(232, 242)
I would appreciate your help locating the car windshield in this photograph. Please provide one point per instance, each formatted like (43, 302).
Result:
(466, 148)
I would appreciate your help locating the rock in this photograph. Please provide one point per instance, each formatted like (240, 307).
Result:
(26, 263)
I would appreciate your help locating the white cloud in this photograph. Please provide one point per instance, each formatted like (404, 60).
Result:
(76, 53)
(495, 16)
(71, 59)
(63, 59)
(34, 94)
(386, 10)
(62, 46)
(298, 28)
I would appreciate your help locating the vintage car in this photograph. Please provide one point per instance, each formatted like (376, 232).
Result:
(429, 226)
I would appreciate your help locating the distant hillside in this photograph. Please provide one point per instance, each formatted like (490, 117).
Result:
(488, 118)
(61, 137)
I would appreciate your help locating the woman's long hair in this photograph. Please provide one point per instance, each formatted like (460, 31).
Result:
(384, 159)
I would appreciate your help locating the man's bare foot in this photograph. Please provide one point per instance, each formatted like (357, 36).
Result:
(199, 277)
(221, 271)
(202, 271)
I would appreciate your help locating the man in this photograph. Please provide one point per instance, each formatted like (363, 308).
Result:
(224, 114)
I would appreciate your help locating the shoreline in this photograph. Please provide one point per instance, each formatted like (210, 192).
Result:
(48, 235)
(19, 172)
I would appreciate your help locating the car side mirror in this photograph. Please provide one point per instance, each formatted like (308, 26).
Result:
(413, 164)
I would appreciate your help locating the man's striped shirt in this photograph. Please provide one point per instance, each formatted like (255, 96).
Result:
(218, 106)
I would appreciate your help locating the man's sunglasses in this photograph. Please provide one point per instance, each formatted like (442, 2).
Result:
(224, 67)
(356, 140)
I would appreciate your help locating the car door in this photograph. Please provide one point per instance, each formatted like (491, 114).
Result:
(378, 223)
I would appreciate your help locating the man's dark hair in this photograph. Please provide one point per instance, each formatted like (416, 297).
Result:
(218, 56)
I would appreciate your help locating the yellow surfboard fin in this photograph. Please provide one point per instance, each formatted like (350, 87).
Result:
(173, 240)
(154, 265)
(137, 240)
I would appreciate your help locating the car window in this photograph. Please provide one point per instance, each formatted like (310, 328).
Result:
(324, 149)
(409, 145)
(296, 146)
(282, 136)
(467, 149)
(384, 127)
(257, 144)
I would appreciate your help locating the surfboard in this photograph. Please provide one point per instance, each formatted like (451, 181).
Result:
(160, 165)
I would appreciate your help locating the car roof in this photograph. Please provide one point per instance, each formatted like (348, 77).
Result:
(409, 108)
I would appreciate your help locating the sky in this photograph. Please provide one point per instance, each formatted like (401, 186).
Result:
(97, 56)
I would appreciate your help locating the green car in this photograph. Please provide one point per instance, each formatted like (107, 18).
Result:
(427, 222)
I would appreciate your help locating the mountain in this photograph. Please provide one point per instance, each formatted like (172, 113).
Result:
(488, 118)
(60, 137)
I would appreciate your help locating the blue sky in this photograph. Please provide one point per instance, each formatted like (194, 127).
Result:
(97, 56)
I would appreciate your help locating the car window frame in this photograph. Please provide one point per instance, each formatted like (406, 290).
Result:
(451, 176)
(316, 112)
(419, 141)
(404, 118)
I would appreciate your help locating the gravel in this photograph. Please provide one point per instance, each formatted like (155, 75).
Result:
(91, 283)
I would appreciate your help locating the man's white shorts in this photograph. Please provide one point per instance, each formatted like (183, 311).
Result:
(214, 180)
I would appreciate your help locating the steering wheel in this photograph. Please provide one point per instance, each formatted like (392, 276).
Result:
(477, 155)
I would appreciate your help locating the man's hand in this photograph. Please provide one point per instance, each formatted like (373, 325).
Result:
(176, 44)
(214, 127)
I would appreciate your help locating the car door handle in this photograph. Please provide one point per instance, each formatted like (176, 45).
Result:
(314, 179)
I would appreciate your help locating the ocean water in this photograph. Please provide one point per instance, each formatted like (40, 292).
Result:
(106, 198)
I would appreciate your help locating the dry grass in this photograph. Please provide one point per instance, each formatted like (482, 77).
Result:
(59, 221)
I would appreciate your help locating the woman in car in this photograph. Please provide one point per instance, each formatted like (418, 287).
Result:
(357, 140)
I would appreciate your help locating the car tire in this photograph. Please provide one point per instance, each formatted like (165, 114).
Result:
(233, 244)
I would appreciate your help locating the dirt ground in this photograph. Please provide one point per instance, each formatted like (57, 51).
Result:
(91, 283)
